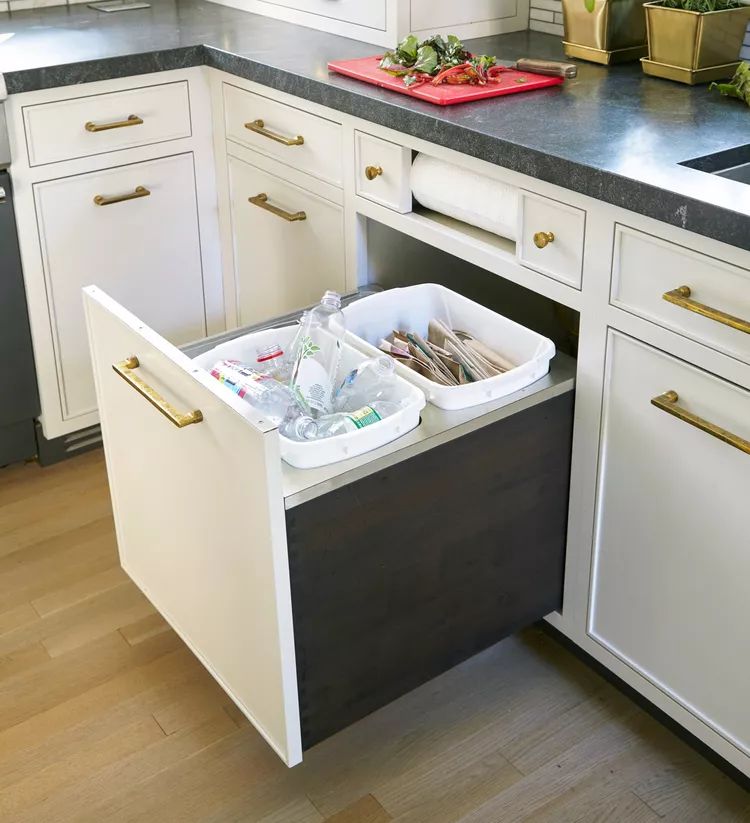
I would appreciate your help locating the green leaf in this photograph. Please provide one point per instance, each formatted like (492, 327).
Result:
(407, 49)
(590, 5)
(738, 87)
(427, 60)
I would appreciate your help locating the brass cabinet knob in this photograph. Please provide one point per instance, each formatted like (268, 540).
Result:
(542, 238)
(371, 172)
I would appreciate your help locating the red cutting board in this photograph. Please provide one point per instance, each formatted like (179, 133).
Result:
(366, 68)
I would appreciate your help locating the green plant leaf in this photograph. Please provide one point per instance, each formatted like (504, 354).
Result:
(427, 60)
(590, 5)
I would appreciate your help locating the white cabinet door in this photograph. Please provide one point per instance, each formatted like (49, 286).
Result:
(282, 264)
(145, 251)
(672, 547)
(200, 516)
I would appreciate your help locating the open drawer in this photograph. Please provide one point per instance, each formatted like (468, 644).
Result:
(315, 597)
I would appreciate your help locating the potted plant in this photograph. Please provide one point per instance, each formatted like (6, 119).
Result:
(694, 41)
(604, 31)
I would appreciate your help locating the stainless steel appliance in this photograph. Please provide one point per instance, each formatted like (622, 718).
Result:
(19, 399)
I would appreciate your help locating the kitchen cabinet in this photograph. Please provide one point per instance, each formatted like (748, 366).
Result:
(316, 596)
(671, 560)
(288, 243)
(134, 231)
(386, 22)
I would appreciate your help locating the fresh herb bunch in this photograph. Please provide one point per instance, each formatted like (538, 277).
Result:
(739, 86)
(438, 59)
(702, 6)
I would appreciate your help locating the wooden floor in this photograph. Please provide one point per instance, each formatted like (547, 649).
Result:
(105, 716)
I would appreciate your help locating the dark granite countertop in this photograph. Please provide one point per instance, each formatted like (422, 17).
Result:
(612, 133)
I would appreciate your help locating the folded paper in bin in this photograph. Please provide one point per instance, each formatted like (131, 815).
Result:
(447, 357)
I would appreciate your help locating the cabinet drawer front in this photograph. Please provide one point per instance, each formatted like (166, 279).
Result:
(434, 14)
(100, 123)
(559, 230)
(647, 268)
(669, 591)
(145, 251)
(371, 13)
(383, 172)
(282, 264)
(176, 494)
(320, 152)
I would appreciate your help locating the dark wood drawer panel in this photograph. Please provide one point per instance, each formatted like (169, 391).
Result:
(401, 575)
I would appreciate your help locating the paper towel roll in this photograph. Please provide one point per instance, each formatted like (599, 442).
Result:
(465, 195)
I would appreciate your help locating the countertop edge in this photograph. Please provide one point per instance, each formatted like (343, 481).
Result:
(697, 216)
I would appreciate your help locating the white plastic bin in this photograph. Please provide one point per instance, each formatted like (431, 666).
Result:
(316, 453)
(373, 318)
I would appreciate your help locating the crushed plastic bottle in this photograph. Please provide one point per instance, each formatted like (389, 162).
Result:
(272, 399)
(371, 381)
(317, 354)
(331, 425)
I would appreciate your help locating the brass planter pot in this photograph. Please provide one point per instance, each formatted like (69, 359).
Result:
(694, 47)
(613, 33)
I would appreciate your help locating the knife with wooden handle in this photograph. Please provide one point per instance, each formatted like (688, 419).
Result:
(550, 68)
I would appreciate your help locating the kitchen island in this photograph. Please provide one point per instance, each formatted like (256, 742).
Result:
(193, 111)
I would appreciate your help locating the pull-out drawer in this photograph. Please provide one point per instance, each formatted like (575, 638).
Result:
(698, 296)
(551, 238)
(371, 13)
(302, 140)
(383, 172)
(669, 589)
(109, 227)
(315, 597)
(288, 243)
(100, 123)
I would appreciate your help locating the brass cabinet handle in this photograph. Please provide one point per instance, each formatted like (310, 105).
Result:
(133, 120)
(668, 402)
(140, 191)
(125, 369)
(371, 172)
(261, 200)
(259, 127)
(681, 297)
(542, 238)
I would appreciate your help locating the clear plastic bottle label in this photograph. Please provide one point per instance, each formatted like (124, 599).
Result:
(312, 379)
(365, 416)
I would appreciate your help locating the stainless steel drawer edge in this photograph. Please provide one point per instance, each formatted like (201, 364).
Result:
(437, 427)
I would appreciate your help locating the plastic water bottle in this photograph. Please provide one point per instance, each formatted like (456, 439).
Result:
(344, 422)
(271, 362)
(316, 359)
(265, 394)
(371, 381)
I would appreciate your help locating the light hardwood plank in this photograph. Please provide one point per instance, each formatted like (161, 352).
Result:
(67, 629)
(86, 760)
(689, 790)
(145, 629)
(62, 560)
(78, 592)
(17, 618)
(21, 660)
(365, 810)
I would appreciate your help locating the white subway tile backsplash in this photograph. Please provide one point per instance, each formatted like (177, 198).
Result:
(3, 6)
(548, 5)
(542, 14)
(546, 16)
(548, 28)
